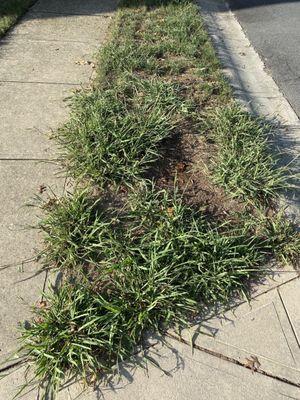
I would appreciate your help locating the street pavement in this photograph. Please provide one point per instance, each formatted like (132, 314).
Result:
(273, 27)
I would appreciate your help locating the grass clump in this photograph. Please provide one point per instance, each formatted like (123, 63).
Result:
(149, 41)
(114, 135)
(76, 228)
(117, 130)
(150, 267)
(153, 226)
(10, 11)
(246, 166)
(83, 333)
(283, 235)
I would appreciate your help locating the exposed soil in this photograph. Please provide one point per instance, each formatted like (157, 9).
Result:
(188, 159)
(189, 155)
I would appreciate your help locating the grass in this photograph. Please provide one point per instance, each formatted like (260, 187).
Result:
(117, 131)
(10, 11)
(114, 135)
(246, 166)
(151, 264)
(84, 333)
(152, 226)
(136, 252)
(165, 46)
(135, 271)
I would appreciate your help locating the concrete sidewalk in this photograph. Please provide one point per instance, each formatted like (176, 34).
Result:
(38, 70)
(249, 352)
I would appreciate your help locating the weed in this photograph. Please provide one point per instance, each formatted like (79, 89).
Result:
(76, 228)
(283, 237)
(149, 267)
(208, 259)
(82, 333)
(116, 131)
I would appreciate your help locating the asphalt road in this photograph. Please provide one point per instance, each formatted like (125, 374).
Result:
(273, 27)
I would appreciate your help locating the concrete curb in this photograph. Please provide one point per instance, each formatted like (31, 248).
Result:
(254, 87)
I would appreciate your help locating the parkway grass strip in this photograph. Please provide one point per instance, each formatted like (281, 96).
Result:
(135, 254)
(159, 72)
(116, 133)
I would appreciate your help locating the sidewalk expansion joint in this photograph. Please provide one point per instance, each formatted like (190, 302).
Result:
(235, 361)
(24, 37)
(70, 14)
(17, 363)
(240, 302)
(46, 160)
(42, 83)
(289, 318)
(279, 284)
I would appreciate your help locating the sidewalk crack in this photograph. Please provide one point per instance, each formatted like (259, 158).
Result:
(289, 318)
(235, 361)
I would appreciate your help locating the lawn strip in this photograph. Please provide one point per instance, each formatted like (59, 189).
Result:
(246, 165)
(168, 217)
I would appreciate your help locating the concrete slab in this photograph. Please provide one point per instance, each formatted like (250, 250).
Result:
(276, 277)
(183, 375)
(29, 113)
(73, 7)
(47, 62)
(20, 184)
(261, 329)
(180, 375)
(57, 27)
(20, 286)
